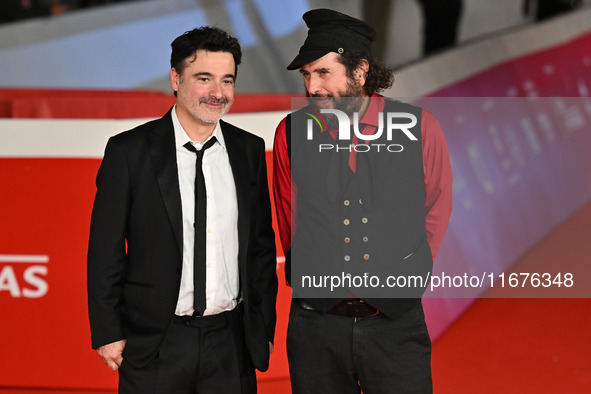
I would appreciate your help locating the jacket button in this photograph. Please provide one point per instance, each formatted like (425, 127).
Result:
(346, 203)
(365, 239)
(346, 222)
(347, 258)
(364, 220)
(366, 257)
(347, 240)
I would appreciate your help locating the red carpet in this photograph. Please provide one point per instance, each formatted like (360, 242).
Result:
(525, 345)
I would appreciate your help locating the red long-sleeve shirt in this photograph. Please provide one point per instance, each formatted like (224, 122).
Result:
(437, 169)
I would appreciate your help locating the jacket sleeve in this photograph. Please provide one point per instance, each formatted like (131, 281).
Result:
(106, 248)
(264, 251)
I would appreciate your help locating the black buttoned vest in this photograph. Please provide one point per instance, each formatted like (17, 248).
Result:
(363, 231)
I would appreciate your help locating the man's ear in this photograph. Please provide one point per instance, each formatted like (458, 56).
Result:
(361, 72)
(175, 79)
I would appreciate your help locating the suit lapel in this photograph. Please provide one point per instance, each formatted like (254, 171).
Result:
(163, 153)
(240, 169)
(162, 148)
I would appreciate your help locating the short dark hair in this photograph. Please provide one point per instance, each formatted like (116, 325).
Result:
(378, 78)
(208, 38)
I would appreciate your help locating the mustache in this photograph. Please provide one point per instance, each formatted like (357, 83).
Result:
(318, 95)
(313, 96)
(213, 101)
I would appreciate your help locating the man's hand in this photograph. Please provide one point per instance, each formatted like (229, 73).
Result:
(111, 354)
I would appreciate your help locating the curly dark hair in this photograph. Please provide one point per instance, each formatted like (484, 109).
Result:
(378, 78)
(208, 38)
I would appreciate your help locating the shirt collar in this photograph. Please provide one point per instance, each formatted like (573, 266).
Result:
(181, 137)
(376, 105)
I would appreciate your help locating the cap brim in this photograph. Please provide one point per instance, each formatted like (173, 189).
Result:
(306, 57)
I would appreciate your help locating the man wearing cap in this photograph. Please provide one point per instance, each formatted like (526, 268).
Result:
(357, 210)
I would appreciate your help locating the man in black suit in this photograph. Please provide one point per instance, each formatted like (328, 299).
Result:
(181, 262)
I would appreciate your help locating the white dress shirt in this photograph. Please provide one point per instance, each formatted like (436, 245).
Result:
(222, 281)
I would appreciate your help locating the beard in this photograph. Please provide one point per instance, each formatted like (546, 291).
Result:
(196, 108)
(348, 101)
(224, 110)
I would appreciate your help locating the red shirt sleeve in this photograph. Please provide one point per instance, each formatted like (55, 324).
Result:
(438, 181)
(282, 188)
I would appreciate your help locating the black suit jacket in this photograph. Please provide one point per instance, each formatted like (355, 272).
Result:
(135, 246)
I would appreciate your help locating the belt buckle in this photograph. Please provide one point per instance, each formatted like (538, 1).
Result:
(359, 308)
(350, 308)
(306, 306)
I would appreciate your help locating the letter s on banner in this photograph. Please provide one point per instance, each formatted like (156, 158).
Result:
(29, 283)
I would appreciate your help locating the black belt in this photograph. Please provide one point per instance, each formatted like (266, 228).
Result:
(209, 321)
(351, 308)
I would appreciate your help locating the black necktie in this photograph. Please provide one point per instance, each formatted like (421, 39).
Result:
(199, 259)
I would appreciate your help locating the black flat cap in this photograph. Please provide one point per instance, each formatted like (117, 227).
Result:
(332, 31)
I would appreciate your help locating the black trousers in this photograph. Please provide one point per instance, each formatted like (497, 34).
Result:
(201, 355)
(343, 355)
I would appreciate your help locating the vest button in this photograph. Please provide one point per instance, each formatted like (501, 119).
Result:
(347, 258)
(366, 257)
(347, 240)
(346, 202)
(360, 201)
(346, 222)
(365, 239)
(364, 220)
